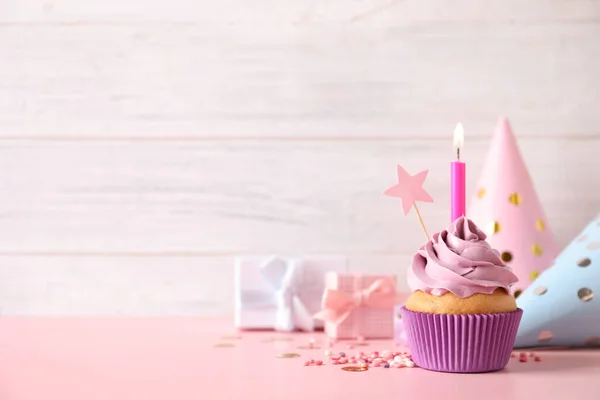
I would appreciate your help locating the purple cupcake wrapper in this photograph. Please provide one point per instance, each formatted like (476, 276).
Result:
(461, 343)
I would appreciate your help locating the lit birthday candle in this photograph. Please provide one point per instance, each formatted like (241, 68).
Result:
(457, 178)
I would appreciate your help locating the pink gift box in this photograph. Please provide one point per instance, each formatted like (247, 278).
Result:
(362, 321)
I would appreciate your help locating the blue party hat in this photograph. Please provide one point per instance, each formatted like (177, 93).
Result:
(562, 306)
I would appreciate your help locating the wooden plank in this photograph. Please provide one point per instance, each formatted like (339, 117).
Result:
(197, 82)
(301, 11)
(213, 198)
(115, 286)
(139, 286)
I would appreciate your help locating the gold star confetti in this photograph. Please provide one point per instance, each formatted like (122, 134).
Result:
(533, 275)
(481, 193)
(539, 224)
(536, 249)
(288, 355)
(355, 368)
(277, 339)
(515, 199)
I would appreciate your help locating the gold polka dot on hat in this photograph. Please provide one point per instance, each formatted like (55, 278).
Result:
(533, 275)
(506, 256)
(481, 193)
(536, 249)
(593, 246)
(539, 224)
(494, 227)
(585, 294)
(540, 290)
(515, 199)
(545, 336)
(584, 262)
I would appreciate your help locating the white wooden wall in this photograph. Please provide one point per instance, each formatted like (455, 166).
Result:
(144, 144)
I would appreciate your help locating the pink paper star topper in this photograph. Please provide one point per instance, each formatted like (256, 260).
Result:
(410, 189)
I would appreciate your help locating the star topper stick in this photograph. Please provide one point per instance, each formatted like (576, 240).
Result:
(410, 189)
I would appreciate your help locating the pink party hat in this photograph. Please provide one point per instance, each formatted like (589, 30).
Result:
(507, 207)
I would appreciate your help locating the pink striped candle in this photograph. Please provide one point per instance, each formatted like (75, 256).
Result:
(457, 179)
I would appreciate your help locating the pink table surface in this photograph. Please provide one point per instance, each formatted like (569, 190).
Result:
(176, 358)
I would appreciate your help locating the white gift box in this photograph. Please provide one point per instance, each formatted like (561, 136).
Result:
(280, 293)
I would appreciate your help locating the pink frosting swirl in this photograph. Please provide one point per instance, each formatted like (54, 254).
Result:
(459, 260)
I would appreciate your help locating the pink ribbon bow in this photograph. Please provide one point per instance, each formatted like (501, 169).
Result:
(337, 304)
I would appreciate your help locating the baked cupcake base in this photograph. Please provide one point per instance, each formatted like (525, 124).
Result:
(479, 303)
(461, 343)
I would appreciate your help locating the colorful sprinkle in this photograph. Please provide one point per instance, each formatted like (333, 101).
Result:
(360, 361)
(288, 355)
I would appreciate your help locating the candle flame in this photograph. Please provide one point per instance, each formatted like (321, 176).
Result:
(459, 136)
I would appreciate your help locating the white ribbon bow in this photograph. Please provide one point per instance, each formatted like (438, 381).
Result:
(284, 278)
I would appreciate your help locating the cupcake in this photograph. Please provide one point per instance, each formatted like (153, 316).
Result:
(460, 316)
